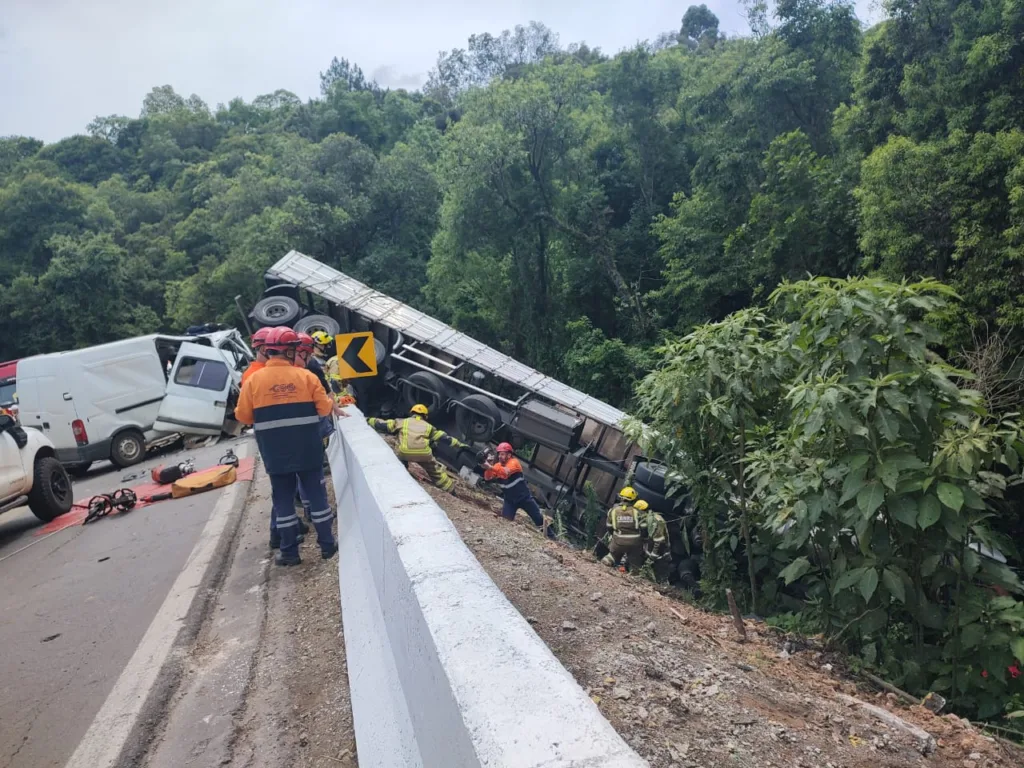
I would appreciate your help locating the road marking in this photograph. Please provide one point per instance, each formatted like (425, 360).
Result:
(112, 725)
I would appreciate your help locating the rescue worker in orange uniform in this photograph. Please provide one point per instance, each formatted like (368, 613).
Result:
(259, 338)
(508, 472)
(285, 404)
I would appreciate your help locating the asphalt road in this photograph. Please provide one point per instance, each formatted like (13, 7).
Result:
(75, 604)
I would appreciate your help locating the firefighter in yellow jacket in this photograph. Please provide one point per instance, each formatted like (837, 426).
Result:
(416, 436)
(625, 538)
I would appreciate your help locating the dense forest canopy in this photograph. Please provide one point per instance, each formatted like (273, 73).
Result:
(573, 208)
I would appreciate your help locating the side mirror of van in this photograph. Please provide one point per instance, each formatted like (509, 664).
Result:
(6, 422)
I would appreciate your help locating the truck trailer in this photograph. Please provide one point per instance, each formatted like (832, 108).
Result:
(565, 438)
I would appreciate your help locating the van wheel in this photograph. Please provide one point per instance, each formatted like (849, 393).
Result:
(51, 495)
(128, 448)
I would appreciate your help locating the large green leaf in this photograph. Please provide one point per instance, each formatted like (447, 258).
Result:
(847, 579)
(894, 584)
(853, 483)
(929, 512)
(795, 570)
(868, 584)
(870, 498)
(1017, 648)
(972, 635)
(888, 423)
(903, 509)
(889, 475)
(950, 495)
(972, 500)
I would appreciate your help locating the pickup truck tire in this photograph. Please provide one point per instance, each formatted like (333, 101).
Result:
(51, 494)
(274, 311)
(79, 470)
(127, 448)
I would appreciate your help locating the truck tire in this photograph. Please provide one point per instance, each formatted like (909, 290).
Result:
(312, 323)
(274, 311)
(127, 448)
(652, 475)
(659, 502)
(51, 494)
(282, 289)
(424, 387)
(78, 470)
(472, 425)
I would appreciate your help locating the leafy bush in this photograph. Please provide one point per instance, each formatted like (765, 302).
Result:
(862, 474)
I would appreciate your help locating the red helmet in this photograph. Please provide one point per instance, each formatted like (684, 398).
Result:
(281, 338)
(259, 338)
(505, 448)
(305, 341)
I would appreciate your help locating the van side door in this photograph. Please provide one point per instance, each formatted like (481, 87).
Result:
(197, 392)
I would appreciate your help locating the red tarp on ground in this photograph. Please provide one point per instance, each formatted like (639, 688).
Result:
(81, 508)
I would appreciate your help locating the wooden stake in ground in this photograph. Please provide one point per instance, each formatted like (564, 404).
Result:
(737, 618)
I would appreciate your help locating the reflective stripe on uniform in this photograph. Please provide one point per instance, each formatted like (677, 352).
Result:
(321, 517)
(289, 521)
(295, 421)
(506, 486)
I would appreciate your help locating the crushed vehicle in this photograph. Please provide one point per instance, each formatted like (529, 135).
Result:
(566, 440)
(30, 472)
(115, 401)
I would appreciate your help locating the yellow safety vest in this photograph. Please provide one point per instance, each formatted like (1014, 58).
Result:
(623, 522)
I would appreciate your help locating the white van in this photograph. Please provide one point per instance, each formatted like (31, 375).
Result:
(114, 400)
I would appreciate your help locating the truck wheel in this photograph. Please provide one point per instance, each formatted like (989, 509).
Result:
(475, 427)
(282, 289)
(652, 475)
(274, 311)
(426, 388)
(129, 448)
(51, 495)
(312, 323)
(79, 470)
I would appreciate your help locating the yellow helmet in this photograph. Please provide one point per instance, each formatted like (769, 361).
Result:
(628, 493)
(321, 337)
(419, 408)
(640, 504)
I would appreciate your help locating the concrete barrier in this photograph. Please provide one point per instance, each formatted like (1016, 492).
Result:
(443, 671)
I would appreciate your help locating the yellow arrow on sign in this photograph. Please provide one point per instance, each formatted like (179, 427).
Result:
(357, 357)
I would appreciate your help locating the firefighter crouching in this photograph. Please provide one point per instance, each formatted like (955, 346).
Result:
(415, 437)
(285, 405)
(656, 545)
(508, 472)
(625, 539)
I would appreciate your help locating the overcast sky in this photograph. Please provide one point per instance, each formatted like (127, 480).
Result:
(62, 62)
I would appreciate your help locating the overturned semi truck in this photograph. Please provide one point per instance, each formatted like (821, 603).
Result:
(564, 438)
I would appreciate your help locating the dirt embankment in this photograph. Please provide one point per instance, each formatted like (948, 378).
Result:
(678, 686)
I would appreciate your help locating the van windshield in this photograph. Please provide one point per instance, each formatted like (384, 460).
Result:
(7, 390)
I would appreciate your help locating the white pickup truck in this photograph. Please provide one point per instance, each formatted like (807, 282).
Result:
(30, 472)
